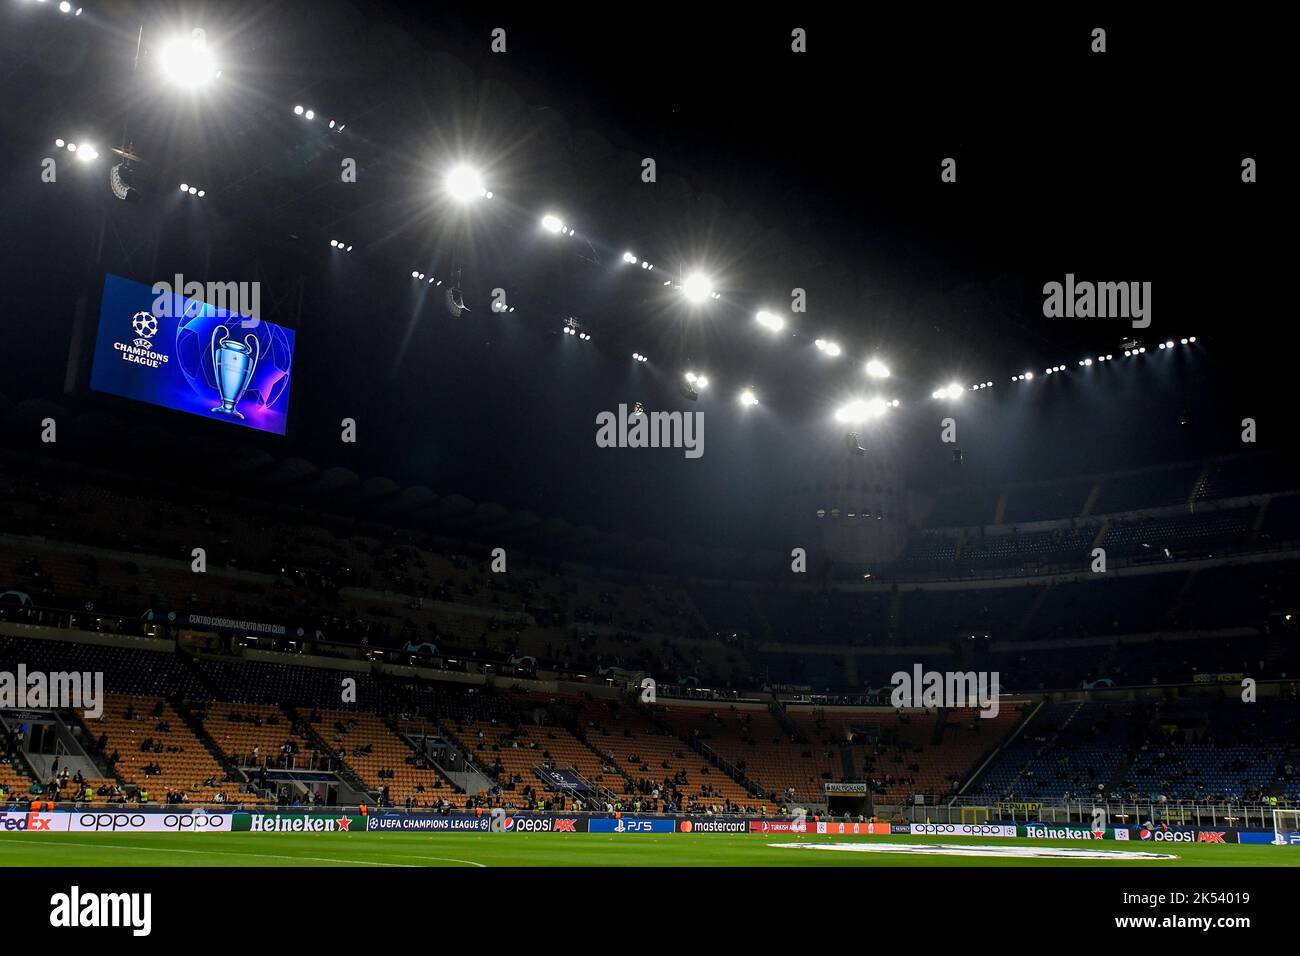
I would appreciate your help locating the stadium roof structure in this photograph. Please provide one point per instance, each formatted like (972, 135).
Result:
(767, 177)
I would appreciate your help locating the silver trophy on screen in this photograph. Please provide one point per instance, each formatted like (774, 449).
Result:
(233, 364)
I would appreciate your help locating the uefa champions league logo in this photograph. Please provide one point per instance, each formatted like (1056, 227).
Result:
(140, 350)
(146, 327)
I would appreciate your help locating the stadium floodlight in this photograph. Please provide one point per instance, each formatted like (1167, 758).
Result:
(830, 348)
(552, 223)
(87, 153)
(630, 258)
(853, 412)
(1191, 338)
(748, 398)
(59, 143)
(770, 321)
(465, 183)
(700, 382)
(860, 410)
(187, 62)
(877, 369)
(297, 110)
(697, 287)
(646, 265)
(310, 114)
(953, 391)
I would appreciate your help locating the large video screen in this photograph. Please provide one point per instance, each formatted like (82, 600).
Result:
(168, 346)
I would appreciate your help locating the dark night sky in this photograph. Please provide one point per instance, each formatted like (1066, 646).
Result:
(819, 171)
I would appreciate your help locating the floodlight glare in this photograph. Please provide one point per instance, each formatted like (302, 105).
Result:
(297, 110)
(464, 183)
(697, 287)
(552, 223)
(629, 258)
(877, 369)
(859, 410)
(187, 62)
(773, 323)
(748, 398)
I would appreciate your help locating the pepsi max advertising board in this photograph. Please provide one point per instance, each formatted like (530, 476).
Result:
(168, 345)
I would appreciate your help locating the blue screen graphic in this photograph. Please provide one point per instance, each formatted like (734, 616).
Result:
(182, 353)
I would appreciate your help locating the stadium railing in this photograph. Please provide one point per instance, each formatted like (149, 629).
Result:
(1237, 815)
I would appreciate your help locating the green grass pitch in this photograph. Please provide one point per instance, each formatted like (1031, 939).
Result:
(563, 849)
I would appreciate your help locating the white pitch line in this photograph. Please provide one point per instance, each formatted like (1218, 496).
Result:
(449, 859)
(263, 856)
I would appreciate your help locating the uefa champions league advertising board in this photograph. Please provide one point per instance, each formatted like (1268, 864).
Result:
(180, 352)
